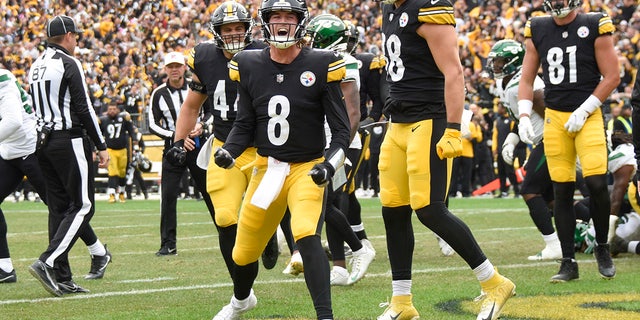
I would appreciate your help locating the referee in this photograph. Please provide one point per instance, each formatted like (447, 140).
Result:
(67, 125)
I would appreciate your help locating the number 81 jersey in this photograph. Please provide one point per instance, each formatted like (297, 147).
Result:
(411, 70)
(567, 55)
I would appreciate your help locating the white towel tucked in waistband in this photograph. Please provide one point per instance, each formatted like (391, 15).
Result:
(271, 183)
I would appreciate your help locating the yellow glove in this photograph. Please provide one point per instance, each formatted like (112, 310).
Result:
(450, 145)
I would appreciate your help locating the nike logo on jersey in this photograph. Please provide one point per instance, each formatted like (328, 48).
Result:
(414, 128)
(434, 1)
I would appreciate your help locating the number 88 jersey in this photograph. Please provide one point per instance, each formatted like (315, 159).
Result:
(411, 70)
(567, 55)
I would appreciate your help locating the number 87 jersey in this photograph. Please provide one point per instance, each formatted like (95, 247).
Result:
(567, 55)
(411, 70)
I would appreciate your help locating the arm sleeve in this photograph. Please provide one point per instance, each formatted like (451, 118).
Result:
(10, 104)
(155, 118)
(81, 105)
(373, 91)
(242, 132)
(337, 118)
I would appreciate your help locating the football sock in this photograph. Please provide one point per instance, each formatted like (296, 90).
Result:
(484, 271)
(400, 240)
(540, 214)
(6, 265)
(401, 287)
(243, 280)
(97, 249)
(565, 217)
(600, 205)
(633, 247)
(453, 231)
(226, 239)
(550, 238)
(316, 275)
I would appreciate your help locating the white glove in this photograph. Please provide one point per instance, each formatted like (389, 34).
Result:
(508, 146)
(580, 115)
(525, 130)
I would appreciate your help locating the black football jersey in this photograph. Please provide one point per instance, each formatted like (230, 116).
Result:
(369, 66)
(412, 72)
(117, 131)
(282, 107)
(567, 55)
(210, 65)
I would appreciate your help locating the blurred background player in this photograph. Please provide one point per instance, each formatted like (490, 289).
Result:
(505, 64)
(117, 128)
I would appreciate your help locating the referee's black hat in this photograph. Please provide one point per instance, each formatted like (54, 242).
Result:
(61, 25)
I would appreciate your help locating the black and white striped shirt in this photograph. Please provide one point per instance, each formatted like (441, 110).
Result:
(60, 95)
(164, 108)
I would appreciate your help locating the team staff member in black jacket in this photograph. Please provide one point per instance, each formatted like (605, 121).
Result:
(166, 101)
(66, 123)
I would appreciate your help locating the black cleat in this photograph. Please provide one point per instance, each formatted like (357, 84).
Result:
(44, 274)
(605, 264)
(8, 277)
(99, 265)
(270, 253)
(618, 245)
(166, 251)
(68, 287)
(568, 271)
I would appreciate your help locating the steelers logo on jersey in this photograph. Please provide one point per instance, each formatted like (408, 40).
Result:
(583, 32)
(307, 78)
(404, 19)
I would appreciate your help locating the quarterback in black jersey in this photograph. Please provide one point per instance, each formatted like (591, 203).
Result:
(117, 129)
(285, 93)
(231, 26)
(426, 97)
(575, 51)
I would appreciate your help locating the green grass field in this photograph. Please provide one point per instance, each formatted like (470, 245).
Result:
(195, 285)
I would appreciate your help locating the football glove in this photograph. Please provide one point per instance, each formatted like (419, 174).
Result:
(580, 115)
(508, 146)
(224, 159)
(177, 155)
(450, 145)
(525, 130)
(321, 173)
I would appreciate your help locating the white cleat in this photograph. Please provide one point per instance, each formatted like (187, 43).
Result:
(550, 252)
(295, 266)
(236, 307)
(359, 264)
(339, 276)
(445, 248)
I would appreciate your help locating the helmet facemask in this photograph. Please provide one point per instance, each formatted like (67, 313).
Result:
(558, 9)
(226, 13)
(505, 58)
(283, 35)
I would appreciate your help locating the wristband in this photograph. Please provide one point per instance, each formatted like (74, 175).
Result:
(453, 125)
(591, 104)
(525, 107)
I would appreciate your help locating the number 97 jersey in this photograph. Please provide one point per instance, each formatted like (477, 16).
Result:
(411, 70)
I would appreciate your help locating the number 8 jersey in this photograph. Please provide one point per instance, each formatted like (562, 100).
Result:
(419, 81)
(567, 55)
(283, 106)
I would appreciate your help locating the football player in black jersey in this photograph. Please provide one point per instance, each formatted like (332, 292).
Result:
(575, 51)
(426, 97)
(285, 93)
(231, 26)
(117, 128)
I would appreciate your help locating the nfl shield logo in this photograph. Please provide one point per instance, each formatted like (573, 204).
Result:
(279, 78)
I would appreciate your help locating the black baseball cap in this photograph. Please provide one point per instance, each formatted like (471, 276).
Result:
(61, 25)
